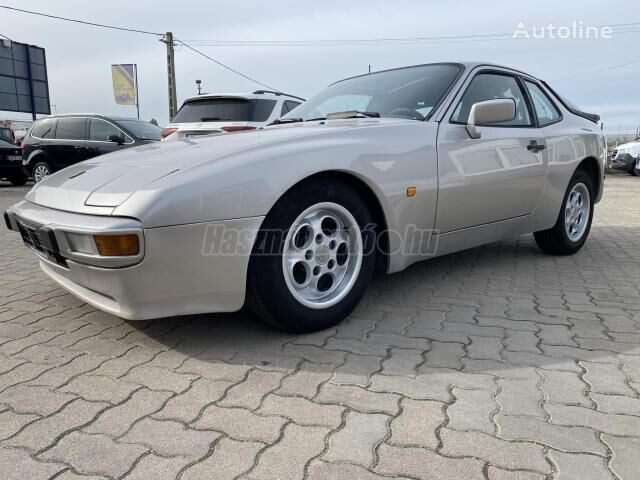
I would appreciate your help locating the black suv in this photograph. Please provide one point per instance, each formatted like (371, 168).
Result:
(11, 163)
(56, 142)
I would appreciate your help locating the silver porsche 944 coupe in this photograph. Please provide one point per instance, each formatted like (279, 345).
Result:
(376, 172)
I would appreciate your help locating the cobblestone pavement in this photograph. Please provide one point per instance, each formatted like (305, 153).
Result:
(496, 363)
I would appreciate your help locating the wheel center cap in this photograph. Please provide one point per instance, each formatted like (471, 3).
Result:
(323, 254)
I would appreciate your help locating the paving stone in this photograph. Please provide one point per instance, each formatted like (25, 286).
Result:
(625, 457)
(18, 465)
(417, 423)
(11, 423)
(580, 416)
(229, 460)
(302, 411)
(249, 393)
(606, 378)
(500, 474)
(94, 454)
(358, 398)
(41, 433)
(59, 376)
(241, 424)
(565, 438)
(584, 467)
(231, 372)
(485, 348)
(170, 438)
(403, 362)
(425, 464)
(39, 400)
(356, 441)
(155, 467)
(501, 453)
(117, 367)
(445, 355)
(115, 421)
(319, 470)
(520, 397)
(306, 382)
(446, 376)
(357, 370)
(521, 341)
(70, 475)
(617, 404)
(472, 410)
(410, 387)
(100, 389)
(188, 405)
(564, 387)
(287, 458)
(158, 378)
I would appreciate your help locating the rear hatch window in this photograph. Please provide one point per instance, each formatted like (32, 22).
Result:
(225, 110)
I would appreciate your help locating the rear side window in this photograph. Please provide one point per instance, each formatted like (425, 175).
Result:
(100, 131)
(491, 86)
(71, 129)
(545, 109)
(44, 128)
(225, 110)
(288, 105)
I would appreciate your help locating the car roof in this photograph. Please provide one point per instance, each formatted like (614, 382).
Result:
(259, 94)
(93, 115)
(635, 143)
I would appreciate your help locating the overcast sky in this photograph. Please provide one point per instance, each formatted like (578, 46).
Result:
(79, 57)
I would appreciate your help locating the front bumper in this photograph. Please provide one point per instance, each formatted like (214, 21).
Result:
(184, 269)
(626, 163)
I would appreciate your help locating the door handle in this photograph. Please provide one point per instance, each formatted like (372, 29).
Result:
(536, 147)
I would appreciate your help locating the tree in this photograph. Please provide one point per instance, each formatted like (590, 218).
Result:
(153, 121)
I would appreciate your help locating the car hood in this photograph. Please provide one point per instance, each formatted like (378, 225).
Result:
(103, 183)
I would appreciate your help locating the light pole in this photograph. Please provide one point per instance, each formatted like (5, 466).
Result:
(199, 85)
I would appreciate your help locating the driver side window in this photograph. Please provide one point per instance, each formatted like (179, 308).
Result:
(490, 86)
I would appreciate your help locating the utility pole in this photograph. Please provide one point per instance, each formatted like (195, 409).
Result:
(171, 72)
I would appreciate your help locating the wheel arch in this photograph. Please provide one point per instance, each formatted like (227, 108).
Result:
(592, 167)
(371, 198)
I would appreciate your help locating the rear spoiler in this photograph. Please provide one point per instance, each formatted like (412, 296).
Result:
(589, 116)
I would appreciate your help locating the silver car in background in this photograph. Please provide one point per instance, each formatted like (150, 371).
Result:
(376, 172)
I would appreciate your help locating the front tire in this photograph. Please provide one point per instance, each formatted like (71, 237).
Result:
(41, 170)
(572, 228)
(313, 258)
(18, 180)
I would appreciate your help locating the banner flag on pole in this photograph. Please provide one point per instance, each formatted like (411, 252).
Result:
(124, 84)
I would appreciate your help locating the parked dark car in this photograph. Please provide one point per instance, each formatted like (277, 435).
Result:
(56, 142)
(11, 163)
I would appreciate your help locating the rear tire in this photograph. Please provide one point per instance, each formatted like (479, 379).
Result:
(40, 171)
(635, 170)
(572, 228)
(18, 180)
(313, 258)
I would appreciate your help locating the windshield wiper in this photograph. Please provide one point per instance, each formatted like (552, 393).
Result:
(352, 114)
(287, 120)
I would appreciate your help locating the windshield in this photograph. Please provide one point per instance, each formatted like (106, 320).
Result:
(225, 110)
(142, 130)
(411, 93)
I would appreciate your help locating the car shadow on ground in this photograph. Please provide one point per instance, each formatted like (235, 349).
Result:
(503, 309)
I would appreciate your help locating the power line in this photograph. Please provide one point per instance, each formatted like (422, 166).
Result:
(133, 30)
(93, 24)
(595, 71)
(225, 66)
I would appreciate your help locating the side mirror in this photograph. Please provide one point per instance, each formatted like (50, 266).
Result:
(490, 111)
(116, 139)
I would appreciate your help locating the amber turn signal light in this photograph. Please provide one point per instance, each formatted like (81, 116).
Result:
(411, 191)
(117, 245)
